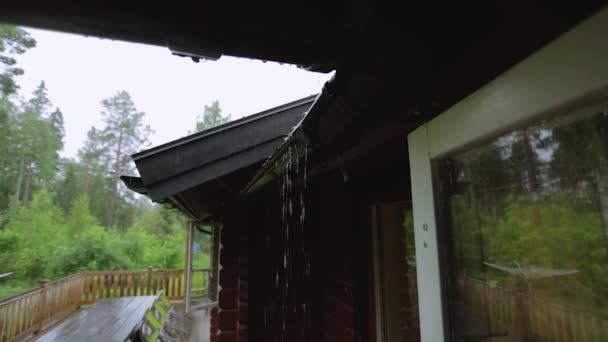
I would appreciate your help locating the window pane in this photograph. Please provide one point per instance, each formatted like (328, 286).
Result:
(527, 218)
(201, 253)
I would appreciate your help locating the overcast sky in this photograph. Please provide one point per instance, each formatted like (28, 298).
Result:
(81, 71)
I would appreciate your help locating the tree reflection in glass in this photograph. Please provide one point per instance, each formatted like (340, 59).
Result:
(528, 217)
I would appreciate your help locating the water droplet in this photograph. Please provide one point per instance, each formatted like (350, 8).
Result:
(305, 164)
(297, 159)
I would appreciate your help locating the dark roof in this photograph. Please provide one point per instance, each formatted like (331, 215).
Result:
(202, 162)
(412, 38)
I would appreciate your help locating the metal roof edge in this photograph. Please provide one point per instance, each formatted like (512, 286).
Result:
(223, 127)
(266, 173)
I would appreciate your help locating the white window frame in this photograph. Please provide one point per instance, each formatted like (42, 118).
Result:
(569, 72)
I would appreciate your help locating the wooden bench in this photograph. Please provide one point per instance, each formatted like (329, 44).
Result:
(163, 323)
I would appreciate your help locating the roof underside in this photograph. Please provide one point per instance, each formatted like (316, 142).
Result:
(320, 35)
(427, 55)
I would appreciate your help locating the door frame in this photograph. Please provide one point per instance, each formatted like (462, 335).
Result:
(385, 324)
(565, 74)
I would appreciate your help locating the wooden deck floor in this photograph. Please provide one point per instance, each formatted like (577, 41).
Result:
(107, 320)
(200, 327)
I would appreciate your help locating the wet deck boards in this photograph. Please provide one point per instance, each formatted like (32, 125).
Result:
(107, 320)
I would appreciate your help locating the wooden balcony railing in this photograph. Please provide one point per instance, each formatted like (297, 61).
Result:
(544, 319)
(29, 312)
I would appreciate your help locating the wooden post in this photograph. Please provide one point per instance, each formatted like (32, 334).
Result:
(188, 266)
(212, 285)
(115, 276)
(129, 285)
(42, 307)
(83, 271)
(149, 282)
(186, 248)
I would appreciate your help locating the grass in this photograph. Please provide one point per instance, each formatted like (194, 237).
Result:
(199, 279)
(200, 260)
(11, 288)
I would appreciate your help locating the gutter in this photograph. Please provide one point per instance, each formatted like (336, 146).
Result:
(352, 102)
(298, 136)
(136, 184)
(327, 118)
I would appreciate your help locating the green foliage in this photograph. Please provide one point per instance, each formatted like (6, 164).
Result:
(94, 248)
(6, 158)
(13, 41)
(58, 215)
(14, 287)
(157, 238)
(41, 242)
(104, 157)
(30, 157)
(211, 117)
(67, 186)
(556, 231)
(201, 260)
(124, 134)
(37, 227)
(537, 198)
(80, 216)
(8, 250)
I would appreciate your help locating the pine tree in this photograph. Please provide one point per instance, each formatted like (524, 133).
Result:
(67, 187)
(37, 141)
(123, 135)
(211, 117)
(13, 41)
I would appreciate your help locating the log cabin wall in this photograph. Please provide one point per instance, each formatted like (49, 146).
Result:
(313, 282)
(214, 282)
(302, 276)
(229, 321)
(338, 264)
(284, 288)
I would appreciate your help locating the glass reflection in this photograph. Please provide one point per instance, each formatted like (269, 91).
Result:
(528, 231)
(201, 253)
